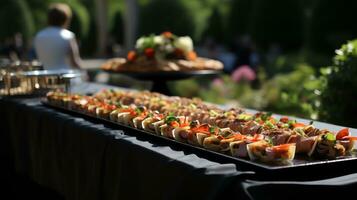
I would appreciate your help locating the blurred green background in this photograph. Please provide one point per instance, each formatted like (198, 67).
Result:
(298, 71)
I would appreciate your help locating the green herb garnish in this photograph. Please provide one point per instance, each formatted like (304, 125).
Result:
(285, 126)
(213, 113)
(138, 111)
(269, 124)
(299, 131)
(266, 116)
(194, 123)
(330, 137)
(117, 104)
(193, 106)
(291, 122)
(269, 140)
(244, 117)
(170, 119)
(212, 129)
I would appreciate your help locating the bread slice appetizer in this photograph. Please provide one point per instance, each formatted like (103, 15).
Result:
(152, 122)
(266, 152)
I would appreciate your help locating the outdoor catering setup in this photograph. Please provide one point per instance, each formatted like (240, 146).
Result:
(96, 141)
(259, 139)
(255, 138)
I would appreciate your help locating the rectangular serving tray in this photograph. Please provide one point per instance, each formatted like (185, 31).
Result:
(299, 165)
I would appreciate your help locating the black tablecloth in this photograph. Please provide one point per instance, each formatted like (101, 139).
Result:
(84, 159)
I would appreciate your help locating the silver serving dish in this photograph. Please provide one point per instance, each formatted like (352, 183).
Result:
(30, 79)
(51, 79)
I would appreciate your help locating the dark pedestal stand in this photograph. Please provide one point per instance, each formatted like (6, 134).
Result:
(161, 79)
(160, 86)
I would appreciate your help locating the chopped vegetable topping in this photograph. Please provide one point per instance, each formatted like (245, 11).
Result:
(193, 106)
(213, 113)
(194, 123)
(284, 119)
(245, 117)
(291, 122)
(170, 119)
(213, 130)
(329, 136)
(342, 133)
(269, 140)
(269, 124)
(266, 116)
(285, 126)
(298, 125)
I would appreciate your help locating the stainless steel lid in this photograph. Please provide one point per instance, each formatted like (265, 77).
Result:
(19, 66)
(65, 73)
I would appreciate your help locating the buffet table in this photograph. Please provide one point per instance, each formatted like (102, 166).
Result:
(84, 159)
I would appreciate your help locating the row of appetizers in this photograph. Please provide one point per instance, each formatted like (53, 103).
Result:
(234, 132)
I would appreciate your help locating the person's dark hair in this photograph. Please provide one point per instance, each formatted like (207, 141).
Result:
(59, 14)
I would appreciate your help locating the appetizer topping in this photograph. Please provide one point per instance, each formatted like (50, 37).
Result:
(342, 134)
(214, 130)
(164, 52)
(169, 119)
(296, 125)
(194, 124)
(284, 119)
(149, 52)
(131, 56)
(244, 117)
(330, 137)
(204, 128)
(167, 34)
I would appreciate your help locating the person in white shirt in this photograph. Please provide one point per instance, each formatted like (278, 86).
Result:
(55, 46)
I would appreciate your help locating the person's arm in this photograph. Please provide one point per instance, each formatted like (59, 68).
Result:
(74, 56)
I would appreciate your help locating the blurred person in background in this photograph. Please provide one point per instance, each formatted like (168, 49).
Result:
(13, 47)
(55, 46)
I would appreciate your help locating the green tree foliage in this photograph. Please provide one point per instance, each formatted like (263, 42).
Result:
(339, 97)
(201, 11)
(240, 17)
(115, 9)
(15, 16)
(162, 15)
(215, 28)
(333, 23)
(117, 30)
(295, 93)
(277, 21)
(38, 9)
(81, 19)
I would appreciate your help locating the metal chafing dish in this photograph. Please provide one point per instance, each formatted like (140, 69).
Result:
(29, 78)
(42, 81)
